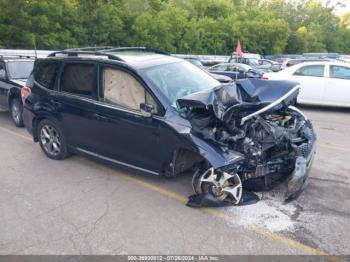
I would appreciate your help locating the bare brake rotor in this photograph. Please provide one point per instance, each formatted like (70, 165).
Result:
(223, 186)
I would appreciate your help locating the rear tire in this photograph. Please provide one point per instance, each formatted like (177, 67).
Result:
(16, 109)
(52, 140)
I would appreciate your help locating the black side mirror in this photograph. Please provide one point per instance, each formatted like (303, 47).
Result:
(146, 109)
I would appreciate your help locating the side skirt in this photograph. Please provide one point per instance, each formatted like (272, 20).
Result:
(110, 160)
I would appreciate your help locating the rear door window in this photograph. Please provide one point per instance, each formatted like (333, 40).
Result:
(341, 72)
(45, 75)
(79, 79)
(311, 70)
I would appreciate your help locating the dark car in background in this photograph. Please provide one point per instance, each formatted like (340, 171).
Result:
(14, 71)
(235, 71)
(266, 66)
(198, 63)
(145, 110)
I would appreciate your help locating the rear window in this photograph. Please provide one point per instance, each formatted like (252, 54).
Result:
(20, 69)
(46, 74)
(79, 79)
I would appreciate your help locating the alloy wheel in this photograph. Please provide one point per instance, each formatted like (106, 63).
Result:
(50, 139)
(16, 113)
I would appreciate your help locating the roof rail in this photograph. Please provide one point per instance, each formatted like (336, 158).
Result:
(77, 53)
(89, 48)
(140, 48)
(16, 56)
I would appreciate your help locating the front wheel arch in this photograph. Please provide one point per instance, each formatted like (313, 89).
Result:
(183, 160)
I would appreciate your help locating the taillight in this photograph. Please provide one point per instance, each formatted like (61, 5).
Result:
(264, 78)
(25, 92)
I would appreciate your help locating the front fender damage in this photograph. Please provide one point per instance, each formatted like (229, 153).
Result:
(273, 141)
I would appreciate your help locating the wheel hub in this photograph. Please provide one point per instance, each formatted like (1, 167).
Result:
(223, 186)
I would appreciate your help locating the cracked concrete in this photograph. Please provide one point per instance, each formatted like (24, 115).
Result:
(78, 207)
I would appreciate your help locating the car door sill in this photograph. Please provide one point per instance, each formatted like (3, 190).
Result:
(115, 161)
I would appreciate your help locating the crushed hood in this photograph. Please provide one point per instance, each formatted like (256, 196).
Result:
(245, 97)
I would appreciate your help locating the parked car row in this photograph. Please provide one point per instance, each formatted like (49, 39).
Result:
(14, 71)
(235, 71)
(323, 79)
(146, 110)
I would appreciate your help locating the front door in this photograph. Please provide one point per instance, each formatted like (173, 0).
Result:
(124, 134)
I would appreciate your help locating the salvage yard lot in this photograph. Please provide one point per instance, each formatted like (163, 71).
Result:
(80, 206)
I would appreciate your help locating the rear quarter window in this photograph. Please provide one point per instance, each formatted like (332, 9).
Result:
(46, 73)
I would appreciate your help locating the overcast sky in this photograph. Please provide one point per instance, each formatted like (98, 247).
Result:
(345, 9)
(342, 10)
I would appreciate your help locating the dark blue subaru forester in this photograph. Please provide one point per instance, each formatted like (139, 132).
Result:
(149, 111)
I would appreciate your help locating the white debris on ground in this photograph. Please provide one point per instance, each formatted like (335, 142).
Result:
(271, 212)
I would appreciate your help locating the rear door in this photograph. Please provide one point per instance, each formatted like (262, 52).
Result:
(76, 103)
(312, 82)
(338, 86)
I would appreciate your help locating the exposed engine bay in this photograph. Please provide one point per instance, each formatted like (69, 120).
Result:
(276, 141)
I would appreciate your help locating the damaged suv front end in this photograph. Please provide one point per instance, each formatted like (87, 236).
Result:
(258, 123)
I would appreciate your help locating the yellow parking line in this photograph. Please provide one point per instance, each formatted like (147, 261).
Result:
(15, 134)
(213, 212)
(334, 147)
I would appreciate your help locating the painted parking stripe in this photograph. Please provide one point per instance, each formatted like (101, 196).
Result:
(335, 147)
(8, 131)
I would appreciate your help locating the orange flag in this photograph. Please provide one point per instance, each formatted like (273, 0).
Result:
(239, 49)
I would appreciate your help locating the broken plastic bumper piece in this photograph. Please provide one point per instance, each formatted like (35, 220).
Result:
(298, 179)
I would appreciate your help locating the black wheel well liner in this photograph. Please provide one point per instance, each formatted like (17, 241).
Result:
(183, 159)
(35, 125)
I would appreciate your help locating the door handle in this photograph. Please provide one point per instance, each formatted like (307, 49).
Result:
(100, 117)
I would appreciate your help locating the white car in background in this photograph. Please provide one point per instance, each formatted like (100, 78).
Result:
(322, 83)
